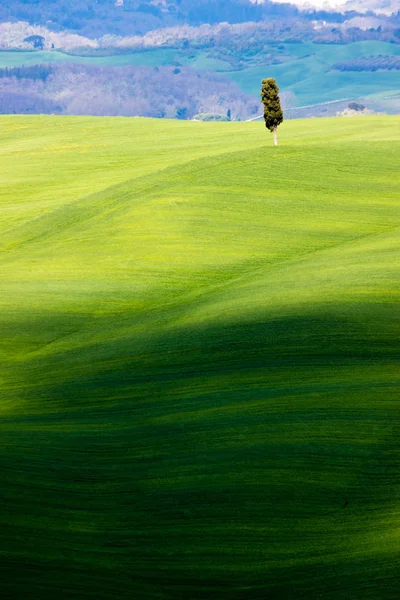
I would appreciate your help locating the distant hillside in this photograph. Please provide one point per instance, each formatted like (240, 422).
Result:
(95, 18)
(128, 17)
(195, 80)
(241, 40)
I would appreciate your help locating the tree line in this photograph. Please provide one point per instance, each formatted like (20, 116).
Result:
(76, 89)
(94, 18)
(233, 42)
(34, 72)
(369, 63)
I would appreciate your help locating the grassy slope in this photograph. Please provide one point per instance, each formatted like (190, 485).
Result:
(308, 75)
(311, 79)
(200, 359)
(150, 58)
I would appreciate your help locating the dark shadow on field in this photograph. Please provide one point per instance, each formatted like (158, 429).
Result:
(208, 462)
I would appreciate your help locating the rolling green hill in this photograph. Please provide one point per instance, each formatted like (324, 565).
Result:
(149, 58)
(156, 57)
(310, 77)
(199, 359)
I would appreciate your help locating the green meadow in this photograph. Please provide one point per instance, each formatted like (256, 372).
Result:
(156, 57)
(310, 76)
(149, 58)
(199, 356)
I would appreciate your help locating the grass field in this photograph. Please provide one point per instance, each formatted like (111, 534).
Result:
(199, 359)
(147, 58)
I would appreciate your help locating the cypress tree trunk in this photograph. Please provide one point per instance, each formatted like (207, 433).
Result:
(275, 136)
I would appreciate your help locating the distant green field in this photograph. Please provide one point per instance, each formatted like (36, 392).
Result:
(199, 359)
(308, 74)
(310, 78)
(148, 58)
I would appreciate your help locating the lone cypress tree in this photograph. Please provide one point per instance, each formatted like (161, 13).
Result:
(273, 114)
